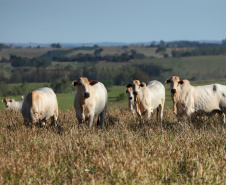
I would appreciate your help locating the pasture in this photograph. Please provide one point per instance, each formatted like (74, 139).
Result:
(123, 153)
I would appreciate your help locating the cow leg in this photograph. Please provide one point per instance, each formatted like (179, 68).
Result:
(157, 112)
(90, 120)
(149, 114)
(161, 107)
(223, 116)
(102, 116)
(54, 120)
(80, 122)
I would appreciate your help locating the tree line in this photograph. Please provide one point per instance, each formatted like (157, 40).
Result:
(124, 57)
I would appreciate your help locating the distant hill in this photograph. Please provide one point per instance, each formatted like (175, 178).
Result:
(67, 45)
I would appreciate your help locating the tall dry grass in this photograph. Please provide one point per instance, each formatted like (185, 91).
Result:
(124, 153)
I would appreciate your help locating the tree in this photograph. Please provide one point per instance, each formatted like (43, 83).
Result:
(61, 86)
(55, 45)
(97, 52)
(224, 42)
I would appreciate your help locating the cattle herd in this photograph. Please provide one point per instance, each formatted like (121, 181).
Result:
(91, 100)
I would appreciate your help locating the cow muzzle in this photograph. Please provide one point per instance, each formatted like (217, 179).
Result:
(130, 98)
(86, 95)
(173, 91)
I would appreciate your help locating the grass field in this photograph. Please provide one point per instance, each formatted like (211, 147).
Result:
(124, 153)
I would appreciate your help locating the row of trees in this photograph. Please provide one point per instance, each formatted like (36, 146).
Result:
(199, 51)
(187, 44)
(116, 76)
(17, 61)
(97, 57)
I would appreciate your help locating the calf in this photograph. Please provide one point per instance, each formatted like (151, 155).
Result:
(11, 104)
(188, 99)
(40, 105)
(130, 95)
(90, 100)
(148, 97)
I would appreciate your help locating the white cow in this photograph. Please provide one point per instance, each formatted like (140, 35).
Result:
(11, 104)
(148, 97)
(189, 99)
(130, 95)
(90, 100)
(40, 105)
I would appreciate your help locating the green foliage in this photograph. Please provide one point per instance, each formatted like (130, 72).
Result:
(124, 57)
(161, 50)
(152, 70)
(4, 46)
(121, 96)
(108, 83)
(59, 53)
(97, 52)
(20, 90)
(61, 86)
(201, 51)
(7, 90)
(3, 88)
(224, 42)
(17, 61)
(55, 45)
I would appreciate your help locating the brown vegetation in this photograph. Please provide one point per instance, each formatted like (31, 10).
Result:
(123, 153)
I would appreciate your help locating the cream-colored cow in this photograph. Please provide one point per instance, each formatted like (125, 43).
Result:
(148, 97)
(130, 95)
(11, 104)
(188, 99)
(90, 101)
(40, 105)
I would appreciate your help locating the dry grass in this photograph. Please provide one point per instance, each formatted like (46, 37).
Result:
(124, 153)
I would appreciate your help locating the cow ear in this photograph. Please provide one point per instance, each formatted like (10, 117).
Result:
(3, 100)
(129, 85)
(168, 81)
(93, 82)
(181, 82)
(143, 84)
(74, 83)
(126, 91)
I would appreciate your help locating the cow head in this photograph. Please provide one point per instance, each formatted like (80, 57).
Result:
(175, 82)
(136, 86)
(129, 93)
(7, 102)
(84, 86)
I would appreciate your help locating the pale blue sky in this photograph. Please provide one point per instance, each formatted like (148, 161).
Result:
(84, 21)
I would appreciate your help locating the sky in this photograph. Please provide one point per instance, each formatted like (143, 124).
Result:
(93, 21)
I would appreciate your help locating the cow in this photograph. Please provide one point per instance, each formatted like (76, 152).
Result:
(130, 95)
(40, 105)
(90, 101)
(188, 99)
(11, 104)
(148, 97)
